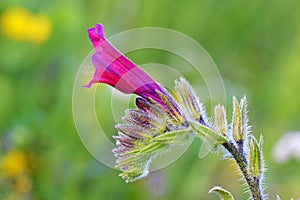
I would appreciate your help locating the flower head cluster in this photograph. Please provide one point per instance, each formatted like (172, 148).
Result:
(161, 119)
(164, 118)
(147, 133)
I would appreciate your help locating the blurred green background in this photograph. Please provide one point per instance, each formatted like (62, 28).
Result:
(255, 44)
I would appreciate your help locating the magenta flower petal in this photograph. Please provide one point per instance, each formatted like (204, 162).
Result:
(96, 34)
(115, 69)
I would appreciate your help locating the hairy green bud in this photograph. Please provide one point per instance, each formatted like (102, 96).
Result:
(255, 167)
(220, 120)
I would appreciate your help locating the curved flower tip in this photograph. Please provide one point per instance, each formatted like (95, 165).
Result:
(116, 70)
(96, 34)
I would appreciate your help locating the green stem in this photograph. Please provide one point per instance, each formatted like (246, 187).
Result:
(254, 183)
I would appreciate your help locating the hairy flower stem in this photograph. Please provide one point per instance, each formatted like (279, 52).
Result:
(254, 183)
(240, 145)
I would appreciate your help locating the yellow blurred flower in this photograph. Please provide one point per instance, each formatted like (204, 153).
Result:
(23, 184)
(38, 28)
(20, 24)
(14, 23)
(14, 163)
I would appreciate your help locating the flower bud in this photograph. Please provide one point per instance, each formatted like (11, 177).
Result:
(220, 120)
(239, 126)
(255, 167)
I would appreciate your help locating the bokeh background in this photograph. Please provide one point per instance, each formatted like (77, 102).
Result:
(255, 44)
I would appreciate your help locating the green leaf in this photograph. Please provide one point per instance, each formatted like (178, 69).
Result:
(172, 135)
(155, 146)
(210, 139)
(206, 133)
(223, 194)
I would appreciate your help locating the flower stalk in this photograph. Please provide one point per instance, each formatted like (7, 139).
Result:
(254, 183)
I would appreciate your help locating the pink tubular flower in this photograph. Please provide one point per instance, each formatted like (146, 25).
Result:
(115, 69)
